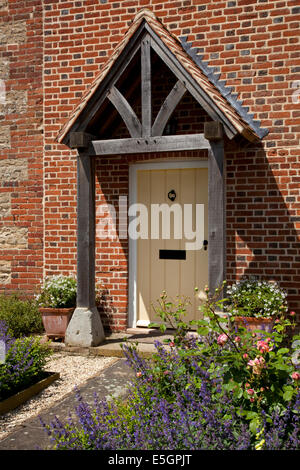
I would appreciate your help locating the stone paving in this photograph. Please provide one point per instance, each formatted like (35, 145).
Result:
(30, 435)
(112, 381)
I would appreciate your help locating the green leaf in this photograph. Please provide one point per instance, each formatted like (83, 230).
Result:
(280, 366)
(283, 351)
(288, 395)
(254, 425)
(203, 331)
(200, 322)
(251, 415)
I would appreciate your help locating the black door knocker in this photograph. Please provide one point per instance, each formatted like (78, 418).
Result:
(172, 195)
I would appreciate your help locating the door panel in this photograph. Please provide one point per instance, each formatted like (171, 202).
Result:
(176, 277)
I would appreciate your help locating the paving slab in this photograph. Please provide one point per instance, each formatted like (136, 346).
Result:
(112, 346)
(30, 435)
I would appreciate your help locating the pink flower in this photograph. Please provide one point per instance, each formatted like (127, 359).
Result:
(268, 340)
(247, 385)
(292, 313)
(245, 356)
(138, 374)
(237, 339)
(250, 391)
(252, 400)
(257, 364)
(263, 346)
(172, 344)
(166, 372)
(295, 376)
(222, 339)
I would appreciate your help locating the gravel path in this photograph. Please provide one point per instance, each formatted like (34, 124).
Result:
(74, 370)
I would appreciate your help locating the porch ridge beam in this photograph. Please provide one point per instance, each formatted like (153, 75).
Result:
(170, 143)
(168, 107)
(146, 86)
(126, 112)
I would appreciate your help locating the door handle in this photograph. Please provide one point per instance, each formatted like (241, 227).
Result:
(205, 243)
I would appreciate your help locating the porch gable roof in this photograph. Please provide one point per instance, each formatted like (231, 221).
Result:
(201, 82)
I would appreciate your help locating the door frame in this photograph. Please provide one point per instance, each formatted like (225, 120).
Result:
(133, 322)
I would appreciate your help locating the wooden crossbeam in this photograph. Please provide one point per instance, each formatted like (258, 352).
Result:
(170, 143)
(168, 107)
(126, 112)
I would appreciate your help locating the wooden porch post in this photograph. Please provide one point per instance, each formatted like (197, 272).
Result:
(216, 205)
(85, 327)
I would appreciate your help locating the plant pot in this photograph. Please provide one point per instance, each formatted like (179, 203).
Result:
(56, 320)
(253, 323)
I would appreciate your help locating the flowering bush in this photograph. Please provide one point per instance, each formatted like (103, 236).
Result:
(224, 389)
(176, 417)
(255, 298)
(58, 292)
(258, 369)
(24, 362)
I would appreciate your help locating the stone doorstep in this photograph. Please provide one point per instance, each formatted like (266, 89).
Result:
(145, 338)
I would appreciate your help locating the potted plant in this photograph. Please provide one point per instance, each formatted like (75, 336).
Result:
(254, 303)
(57, 301)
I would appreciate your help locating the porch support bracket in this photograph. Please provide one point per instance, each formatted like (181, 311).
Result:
(213, 131)
(85, 328)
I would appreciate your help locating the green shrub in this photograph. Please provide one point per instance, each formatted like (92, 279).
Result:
(21, 316)
(24, 362)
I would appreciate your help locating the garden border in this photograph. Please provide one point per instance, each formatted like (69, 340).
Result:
(21, 397)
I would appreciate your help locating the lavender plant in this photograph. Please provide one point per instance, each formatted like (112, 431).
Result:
(225, 389)
(24, 362)
(189, 411)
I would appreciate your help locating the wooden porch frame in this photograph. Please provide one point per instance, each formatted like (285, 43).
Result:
(211, 140)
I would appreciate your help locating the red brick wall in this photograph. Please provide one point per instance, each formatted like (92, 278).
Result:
(255, 44)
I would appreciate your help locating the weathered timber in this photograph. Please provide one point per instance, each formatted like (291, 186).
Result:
(168, 107)
(79, 140)
(170, 143)
(85, 327)
(126, 112)
(85, 231)
(192, 86)
(213, 130)
(216, 215)
(146, 87)
(98, 97)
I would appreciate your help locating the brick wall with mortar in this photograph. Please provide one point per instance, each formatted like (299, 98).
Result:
(255, 45)
(21, 145)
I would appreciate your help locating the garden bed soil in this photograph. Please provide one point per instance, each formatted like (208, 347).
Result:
(22, 396)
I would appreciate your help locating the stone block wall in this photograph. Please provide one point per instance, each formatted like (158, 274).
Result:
(21, 145)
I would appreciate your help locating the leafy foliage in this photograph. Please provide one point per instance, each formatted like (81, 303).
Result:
(24, 362)
(21, 316)
(222, 389)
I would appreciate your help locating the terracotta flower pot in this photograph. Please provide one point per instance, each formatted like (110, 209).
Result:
(253, 323)
(55, 320)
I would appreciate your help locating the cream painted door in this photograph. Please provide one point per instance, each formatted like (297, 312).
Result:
(155, 273)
